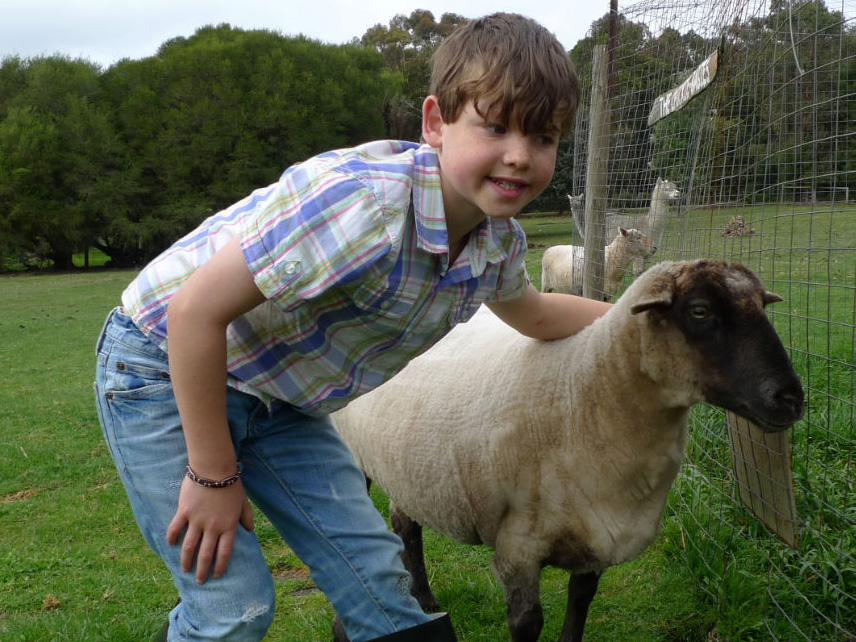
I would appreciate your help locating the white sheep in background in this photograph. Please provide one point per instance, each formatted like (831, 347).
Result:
(562, 265)
(653, 223)
(562, 452)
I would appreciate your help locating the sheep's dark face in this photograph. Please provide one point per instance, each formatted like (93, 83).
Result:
(744, 368)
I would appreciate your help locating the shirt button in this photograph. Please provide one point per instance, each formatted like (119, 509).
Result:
(291, 267)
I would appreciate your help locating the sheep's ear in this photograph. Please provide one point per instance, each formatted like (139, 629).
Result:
(659, 300)
(771, 297)
(623, 231)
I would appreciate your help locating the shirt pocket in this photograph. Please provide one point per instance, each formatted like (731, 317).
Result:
(381, 302)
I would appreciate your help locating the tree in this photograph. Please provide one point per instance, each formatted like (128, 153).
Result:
(132, 158)
(646, 66)
(214, 116)
(56, 148)
(407, 45)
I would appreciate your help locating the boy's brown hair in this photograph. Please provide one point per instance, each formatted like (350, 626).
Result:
(510, 66)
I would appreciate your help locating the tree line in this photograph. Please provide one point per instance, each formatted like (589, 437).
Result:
(129, 158)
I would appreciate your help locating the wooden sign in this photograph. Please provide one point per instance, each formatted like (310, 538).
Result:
(676, 98)
(765, 479)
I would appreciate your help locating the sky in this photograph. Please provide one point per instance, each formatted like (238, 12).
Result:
(105, 31)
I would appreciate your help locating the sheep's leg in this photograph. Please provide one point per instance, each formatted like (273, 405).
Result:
(521, 587)
(581, 591)
(413, 557)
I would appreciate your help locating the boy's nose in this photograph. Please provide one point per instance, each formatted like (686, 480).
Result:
(517, 151)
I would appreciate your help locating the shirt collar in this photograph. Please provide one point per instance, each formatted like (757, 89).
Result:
(484, 245)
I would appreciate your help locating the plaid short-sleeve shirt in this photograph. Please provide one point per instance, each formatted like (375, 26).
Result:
(350, 249)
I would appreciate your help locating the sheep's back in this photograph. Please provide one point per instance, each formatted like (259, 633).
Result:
(439, 422)
(562, 269)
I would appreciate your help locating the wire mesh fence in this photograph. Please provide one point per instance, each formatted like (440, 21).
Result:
(761, 141)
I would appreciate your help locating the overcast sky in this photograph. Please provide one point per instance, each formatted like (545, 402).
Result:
(105, 31)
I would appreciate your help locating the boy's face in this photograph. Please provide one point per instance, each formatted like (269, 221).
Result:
(486, 168)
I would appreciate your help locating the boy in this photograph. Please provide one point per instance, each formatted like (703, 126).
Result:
(282, 308)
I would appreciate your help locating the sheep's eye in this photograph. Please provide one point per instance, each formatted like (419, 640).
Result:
(699, 312)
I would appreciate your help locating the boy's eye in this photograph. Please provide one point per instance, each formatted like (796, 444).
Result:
(549, 136)
(495, 128)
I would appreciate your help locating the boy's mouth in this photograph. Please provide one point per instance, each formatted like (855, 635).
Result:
(507, 184)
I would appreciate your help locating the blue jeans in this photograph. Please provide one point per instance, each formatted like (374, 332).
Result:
(295, 469)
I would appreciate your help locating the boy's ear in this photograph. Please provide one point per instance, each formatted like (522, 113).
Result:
(432, 121)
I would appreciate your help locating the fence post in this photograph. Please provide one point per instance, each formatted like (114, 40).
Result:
(596, 176)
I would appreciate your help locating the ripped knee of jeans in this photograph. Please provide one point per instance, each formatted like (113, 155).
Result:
(254, 612)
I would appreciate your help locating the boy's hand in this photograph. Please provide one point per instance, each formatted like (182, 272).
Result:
(548, 316)
(211, 517)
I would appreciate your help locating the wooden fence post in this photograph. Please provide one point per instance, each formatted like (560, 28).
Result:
(596, 176)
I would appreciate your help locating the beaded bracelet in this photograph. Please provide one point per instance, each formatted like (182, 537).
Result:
(211, 483)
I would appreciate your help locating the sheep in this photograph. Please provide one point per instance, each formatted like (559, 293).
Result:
(562, 265)
(653, 223)
(562, 452)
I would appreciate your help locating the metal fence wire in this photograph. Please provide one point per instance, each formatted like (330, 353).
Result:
(765, 157)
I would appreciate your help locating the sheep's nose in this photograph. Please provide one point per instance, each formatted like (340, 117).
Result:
(793, 400)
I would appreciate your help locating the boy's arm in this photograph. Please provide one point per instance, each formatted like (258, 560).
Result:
(548, 315)
(220, 290)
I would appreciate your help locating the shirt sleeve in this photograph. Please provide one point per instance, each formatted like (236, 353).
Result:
(320, 230)
(513, 278)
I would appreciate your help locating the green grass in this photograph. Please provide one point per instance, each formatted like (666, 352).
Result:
(73, 566)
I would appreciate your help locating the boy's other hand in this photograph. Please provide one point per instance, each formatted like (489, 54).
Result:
(210, 517)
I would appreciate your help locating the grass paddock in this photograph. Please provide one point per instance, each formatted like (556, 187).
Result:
(75, 568)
